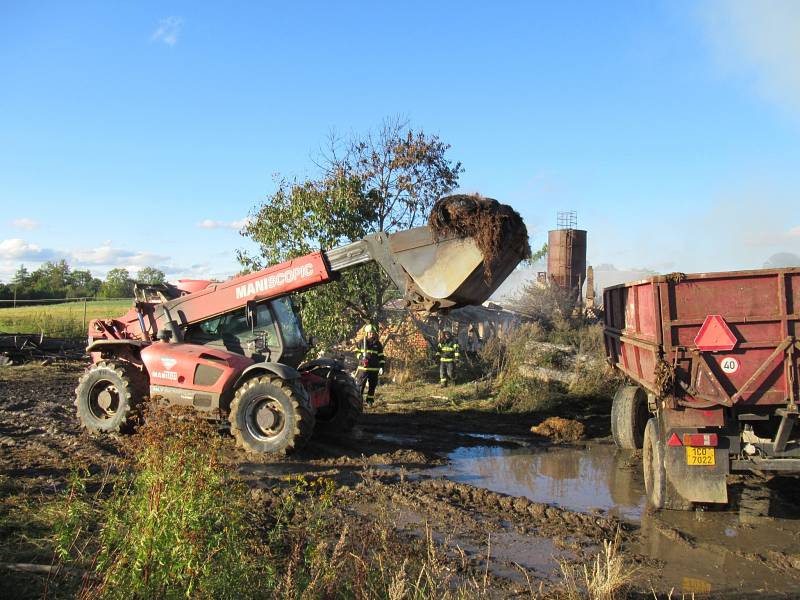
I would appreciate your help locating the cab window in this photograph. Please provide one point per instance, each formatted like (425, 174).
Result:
(288, 322)
(233, 330)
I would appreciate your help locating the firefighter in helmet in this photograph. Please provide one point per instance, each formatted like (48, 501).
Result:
(448, 353)
(370, 362)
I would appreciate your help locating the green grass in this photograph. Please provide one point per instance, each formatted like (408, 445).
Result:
(170, 520)
(59, 320)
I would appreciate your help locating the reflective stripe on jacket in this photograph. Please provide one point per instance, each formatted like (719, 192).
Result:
(448, 352)
(370, 355)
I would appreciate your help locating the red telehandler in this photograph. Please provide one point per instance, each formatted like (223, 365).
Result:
(234, 350)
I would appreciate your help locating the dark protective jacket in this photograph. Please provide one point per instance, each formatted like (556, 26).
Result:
(448, 350)
(370, 354)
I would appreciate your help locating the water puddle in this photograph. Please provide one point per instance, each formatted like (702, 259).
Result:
(573, 478)
(504, 550)
(498, 437)
(392, 438)
(727, 550)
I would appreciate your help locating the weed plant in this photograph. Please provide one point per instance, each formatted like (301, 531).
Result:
(174, 526)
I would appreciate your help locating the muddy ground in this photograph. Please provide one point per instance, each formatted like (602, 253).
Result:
(479, 481)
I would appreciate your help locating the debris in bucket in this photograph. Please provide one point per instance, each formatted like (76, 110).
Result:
(559, 429)
(485, 220)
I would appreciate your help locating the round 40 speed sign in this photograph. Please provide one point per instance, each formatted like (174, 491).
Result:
(729, 364)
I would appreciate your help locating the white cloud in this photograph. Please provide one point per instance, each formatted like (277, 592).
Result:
(760, 40)
(211, 224)
(168, 31)
(99, 260)
(15, 251)
(106, 255)
(20, 250)
(25, 223)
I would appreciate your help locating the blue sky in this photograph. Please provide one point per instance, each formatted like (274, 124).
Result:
(142, 134)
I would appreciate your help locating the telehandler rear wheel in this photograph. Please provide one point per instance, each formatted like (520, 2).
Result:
(629, 415)
(105, 396)
(345, 408)
(271, 415)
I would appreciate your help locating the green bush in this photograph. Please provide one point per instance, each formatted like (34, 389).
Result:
(594, 379)
(586, 338)
(520, 394)
(527, 347)
(173, 526)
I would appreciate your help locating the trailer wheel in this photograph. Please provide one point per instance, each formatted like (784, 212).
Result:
(345, 408)
(660, 494)
(629, 415)
(271, 415)
(105, 396)
(655, 474)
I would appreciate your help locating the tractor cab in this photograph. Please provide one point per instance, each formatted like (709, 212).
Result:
(269, 330)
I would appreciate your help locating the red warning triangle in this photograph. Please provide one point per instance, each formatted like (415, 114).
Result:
(715, 335)
(674, 440)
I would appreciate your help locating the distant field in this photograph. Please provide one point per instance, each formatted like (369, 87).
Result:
(59, 320)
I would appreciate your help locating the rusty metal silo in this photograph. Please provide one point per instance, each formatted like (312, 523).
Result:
(566, 255)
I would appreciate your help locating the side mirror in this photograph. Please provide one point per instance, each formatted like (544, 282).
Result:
(251, 314)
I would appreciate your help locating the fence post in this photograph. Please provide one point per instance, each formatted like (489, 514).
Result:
(84, 314)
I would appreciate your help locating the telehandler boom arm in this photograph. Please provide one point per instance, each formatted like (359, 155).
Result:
(432, 275)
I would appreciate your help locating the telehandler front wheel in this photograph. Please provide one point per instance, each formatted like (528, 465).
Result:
(105, 396)
(271, 415)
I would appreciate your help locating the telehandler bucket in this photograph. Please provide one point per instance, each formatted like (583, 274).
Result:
(470, 245)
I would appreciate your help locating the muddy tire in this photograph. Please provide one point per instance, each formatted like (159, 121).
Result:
(655, 475)
(270, 415)
(106, 394)
(345, 408)
(660, 494)
(629, 416)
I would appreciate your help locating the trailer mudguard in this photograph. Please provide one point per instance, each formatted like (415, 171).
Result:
(693, 483)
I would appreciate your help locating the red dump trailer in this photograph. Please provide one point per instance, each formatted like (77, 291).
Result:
(712, 360)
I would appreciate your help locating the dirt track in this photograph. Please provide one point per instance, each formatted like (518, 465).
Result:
(421, 461)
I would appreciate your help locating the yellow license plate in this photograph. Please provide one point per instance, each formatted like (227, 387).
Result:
(699, 456)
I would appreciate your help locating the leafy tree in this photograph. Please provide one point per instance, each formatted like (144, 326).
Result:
(118, 284)
(53, 280)
(383, 181)
(82, 284)
(539, 254)
(150, 275)
(50, 279)
(21, 278)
